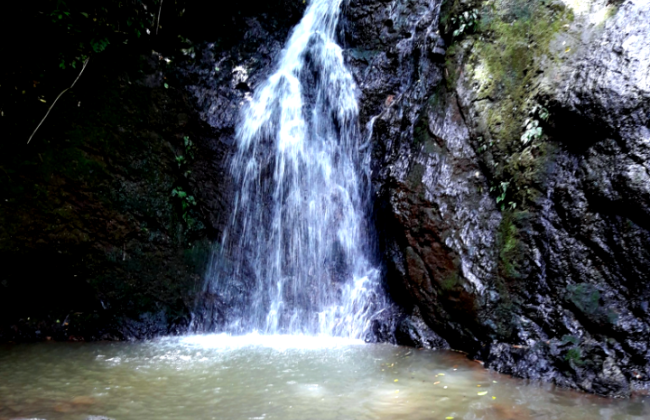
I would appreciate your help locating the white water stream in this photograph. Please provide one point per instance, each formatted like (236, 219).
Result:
(296, 257)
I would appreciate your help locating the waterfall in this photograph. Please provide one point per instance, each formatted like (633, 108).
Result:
(296, 257)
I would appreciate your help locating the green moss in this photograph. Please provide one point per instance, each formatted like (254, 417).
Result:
(509, 247)
(415, 175)
(502, 62)
(451, 67)
(450, 282)
(585, 297)
(612, 317)
(516, 34)
(570, 339)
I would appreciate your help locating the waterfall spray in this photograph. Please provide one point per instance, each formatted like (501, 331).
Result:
(296, 257)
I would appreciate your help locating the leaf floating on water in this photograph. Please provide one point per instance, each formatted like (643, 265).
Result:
(396, 380)
(494, 382)
(448, 418)
(478, 386)
(436, 383)
(494, 398)
(441, 374)
(482, 393)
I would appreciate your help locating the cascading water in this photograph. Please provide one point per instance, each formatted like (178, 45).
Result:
(296, 257)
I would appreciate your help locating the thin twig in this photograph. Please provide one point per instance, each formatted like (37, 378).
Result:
(57, 98)
(159, 10)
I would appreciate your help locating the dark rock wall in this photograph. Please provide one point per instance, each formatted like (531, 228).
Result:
(91, 236)
(529, 253)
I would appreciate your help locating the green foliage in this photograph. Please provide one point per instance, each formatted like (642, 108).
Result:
(187, 201)
(483, 145)
(189, 146)
(502, 190)
(532, 128)
(532, 131)
(574, 355)
(90, 27)
(465, 23)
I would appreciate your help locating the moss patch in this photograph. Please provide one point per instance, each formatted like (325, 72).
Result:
(502, 62)
(587, 300)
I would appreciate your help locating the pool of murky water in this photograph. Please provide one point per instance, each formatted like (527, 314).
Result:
(275, 377)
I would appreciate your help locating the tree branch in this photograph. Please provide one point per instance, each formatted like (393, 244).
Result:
(159, 10)
(57, 98)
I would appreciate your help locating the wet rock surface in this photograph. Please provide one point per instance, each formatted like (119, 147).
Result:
(553, 286)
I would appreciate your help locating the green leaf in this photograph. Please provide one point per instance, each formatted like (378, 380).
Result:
(84, 14)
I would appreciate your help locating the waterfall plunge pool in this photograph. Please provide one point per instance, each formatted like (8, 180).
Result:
(256, 377)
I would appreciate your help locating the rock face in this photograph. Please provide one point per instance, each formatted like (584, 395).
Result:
(95, 244)
(526, 248)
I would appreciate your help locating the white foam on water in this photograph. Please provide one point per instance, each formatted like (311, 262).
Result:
(278, 342)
